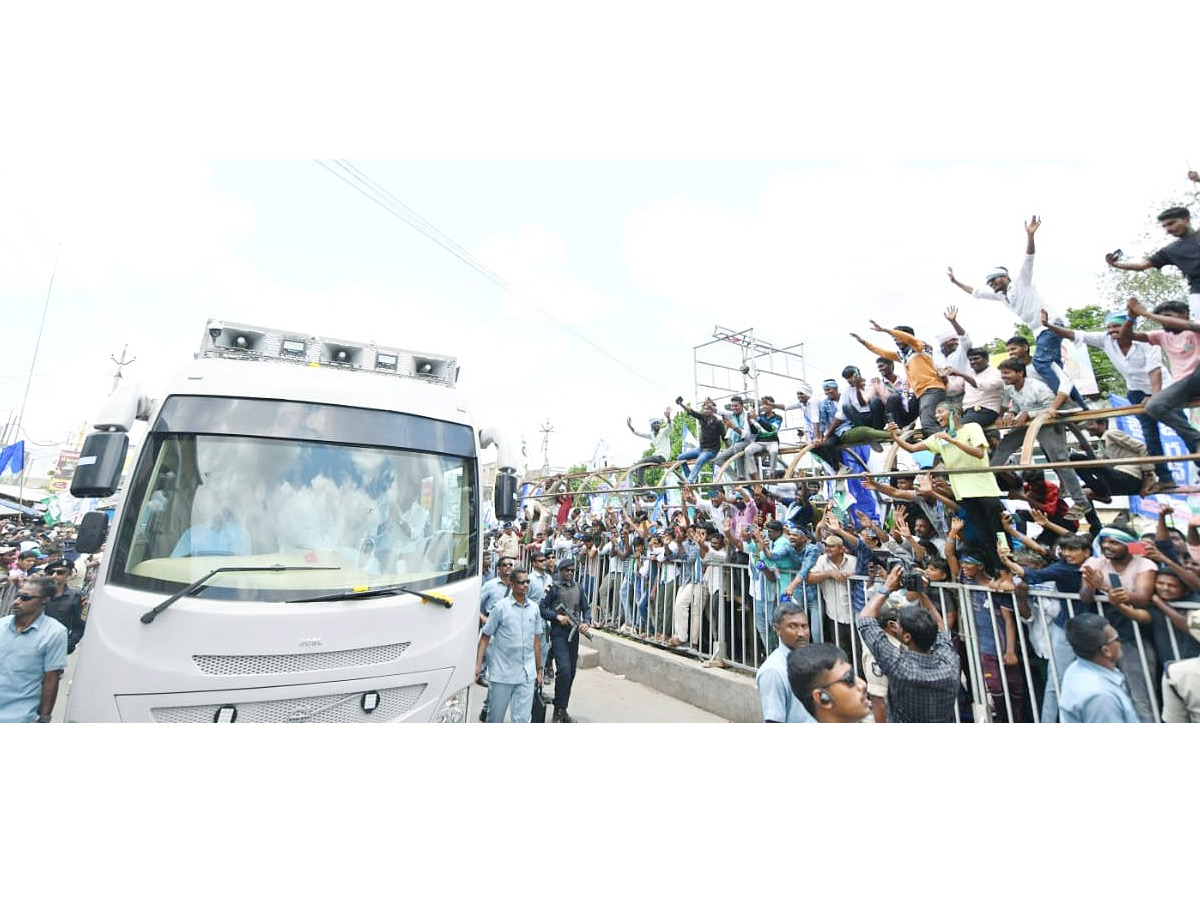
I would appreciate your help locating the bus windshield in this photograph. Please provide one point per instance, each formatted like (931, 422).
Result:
(352, 516)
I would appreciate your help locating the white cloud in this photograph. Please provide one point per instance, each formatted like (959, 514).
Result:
(532, 261)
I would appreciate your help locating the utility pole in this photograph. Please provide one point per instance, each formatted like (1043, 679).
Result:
(546, 429)
(121, 364)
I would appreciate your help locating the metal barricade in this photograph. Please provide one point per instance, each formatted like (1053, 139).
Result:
(726, 618)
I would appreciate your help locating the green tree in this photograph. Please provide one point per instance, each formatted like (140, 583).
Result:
(997, 345)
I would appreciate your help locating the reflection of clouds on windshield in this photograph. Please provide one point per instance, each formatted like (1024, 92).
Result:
(368, 506)
(325, 516)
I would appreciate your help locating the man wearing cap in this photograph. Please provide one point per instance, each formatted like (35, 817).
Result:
(1183, 254)
(660, 445)
(66, 606)
(1093, 688)
(1140, 364)
(775, 695)
(564, 638)
(1024, 299)
(1181, 682)
(1136, 576)
(509, 542)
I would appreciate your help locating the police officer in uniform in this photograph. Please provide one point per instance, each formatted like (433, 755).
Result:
(564, 638)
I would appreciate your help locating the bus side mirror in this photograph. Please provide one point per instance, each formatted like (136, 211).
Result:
(505, 499)
(93, 529)
(98, 472)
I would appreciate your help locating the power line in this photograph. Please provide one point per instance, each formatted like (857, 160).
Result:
(380, 195)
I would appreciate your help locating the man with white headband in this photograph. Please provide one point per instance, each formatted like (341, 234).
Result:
(1023, 298)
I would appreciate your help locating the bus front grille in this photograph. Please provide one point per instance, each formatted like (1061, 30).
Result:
(284, 663)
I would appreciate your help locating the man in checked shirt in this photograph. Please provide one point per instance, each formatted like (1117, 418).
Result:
(923, 676)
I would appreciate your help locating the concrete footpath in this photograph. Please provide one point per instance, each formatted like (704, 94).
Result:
(622, 680)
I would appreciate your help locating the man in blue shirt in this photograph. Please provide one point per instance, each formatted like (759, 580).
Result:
(33, 654)
(779, 704)
(1093, 689)
(514, 634)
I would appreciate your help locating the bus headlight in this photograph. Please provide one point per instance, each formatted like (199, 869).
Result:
(454, 709)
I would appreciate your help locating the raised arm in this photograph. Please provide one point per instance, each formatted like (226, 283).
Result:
(1056, 329)
(1030, 230)
(902, 336)
(958, 284)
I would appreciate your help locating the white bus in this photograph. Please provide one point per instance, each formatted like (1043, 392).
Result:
(298, 541)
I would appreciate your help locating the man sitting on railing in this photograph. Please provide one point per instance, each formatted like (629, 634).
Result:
(1105, 482)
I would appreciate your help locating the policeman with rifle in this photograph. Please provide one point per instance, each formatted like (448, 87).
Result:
(568, 614)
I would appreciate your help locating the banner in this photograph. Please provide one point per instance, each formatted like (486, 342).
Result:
(64, 470)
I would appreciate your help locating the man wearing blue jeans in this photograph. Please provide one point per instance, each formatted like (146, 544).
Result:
(712, 429)
(1023, 298)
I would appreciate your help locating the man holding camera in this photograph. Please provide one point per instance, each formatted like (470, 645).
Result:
(923, 676)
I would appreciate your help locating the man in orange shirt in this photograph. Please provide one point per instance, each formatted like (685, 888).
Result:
(923, 378)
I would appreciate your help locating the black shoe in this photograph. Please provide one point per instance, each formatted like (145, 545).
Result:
(483, 715)
(560, 715)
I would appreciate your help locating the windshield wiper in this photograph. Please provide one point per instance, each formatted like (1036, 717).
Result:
(353, 594)
(196, 586)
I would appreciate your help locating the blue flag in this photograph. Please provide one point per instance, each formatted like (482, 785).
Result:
(12, 458)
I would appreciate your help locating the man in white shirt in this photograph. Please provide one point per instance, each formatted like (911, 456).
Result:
(1023, 298)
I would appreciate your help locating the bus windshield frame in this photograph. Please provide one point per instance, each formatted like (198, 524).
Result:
(362, 498)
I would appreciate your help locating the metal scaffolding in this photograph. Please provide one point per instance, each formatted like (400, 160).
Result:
(736, 362)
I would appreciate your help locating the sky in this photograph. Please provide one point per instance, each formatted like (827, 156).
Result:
(615, 270)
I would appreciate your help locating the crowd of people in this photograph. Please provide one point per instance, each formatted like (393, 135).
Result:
(947, 594)
(44, 586)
